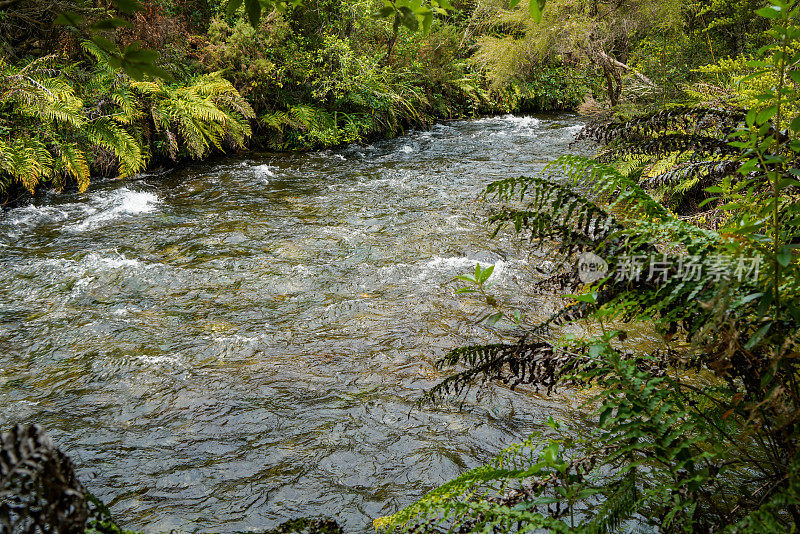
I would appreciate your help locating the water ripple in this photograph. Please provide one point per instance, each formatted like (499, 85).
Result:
(242, 342)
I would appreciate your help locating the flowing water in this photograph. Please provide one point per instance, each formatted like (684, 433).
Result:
(242, 342)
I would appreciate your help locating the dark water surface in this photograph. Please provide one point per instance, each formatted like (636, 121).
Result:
(242, 343)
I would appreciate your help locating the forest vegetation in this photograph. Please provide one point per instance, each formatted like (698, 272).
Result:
(693, 106)
(701, 434)
(317, 74)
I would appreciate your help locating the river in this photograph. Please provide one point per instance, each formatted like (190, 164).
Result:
(241, 342)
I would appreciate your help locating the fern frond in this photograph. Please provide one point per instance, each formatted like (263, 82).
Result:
(620, 504)
(72, 161)
(27, 160)
(451, 501)
(707, 172)
(108, 134)
(716, 122)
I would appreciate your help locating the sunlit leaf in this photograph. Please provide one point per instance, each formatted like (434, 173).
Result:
(535, 8)
(770, 12)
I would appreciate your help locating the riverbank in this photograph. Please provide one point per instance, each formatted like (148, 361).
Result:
(301, 80)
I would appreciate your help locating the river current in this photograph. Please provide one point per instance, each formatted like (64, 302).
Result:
(241, 342)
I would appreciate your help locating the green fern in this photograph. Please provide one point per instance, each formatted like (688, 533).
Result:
(478, 500)
(207, 113)
(63, 131)
(556, 207)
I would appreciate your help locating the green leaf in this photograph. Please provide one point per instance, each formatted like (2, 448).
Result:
(427, 21)
(155, 70)
(535, 9)
(513, 3)
(758, 336)
(591, 298)
(784, 257)
(795, 124)
(408, 19)
(492, 319)
(766, 114)
(114, 60)
(139, 55)
(744, 300)
(232, 7)
(386, 11)
(105, 45)
(751, 117)
(253, 8)
(747, 229)
(128, 6)
(486, 273)
(605, 412)
(769, 12)
(134, 71)
(706, 201)
(69, 19)
(748, 166)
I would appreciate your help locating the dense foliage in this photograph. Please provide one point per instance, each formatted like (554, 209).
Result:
(702, 435)
(289, 75)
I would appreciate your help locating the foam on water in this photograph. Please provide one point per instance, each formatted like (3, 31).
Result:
(520, 126)
(240, 339)
(126, 310)
(264, 172)
(522, 122)
(34, 215)
(119, 203)
(159, 360)
(93, 262)
(30, 217)
(96, 261)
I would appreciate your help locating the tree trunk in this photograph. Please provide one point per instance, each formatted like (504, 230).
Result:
(392, 41)
(613, 83)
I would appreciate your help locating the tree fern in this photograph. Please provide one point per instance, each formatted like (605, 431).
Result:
(72, 162)
(27, 160)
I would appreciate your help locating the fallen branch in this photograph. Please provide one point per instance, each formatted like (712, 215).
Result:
(625, 67)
